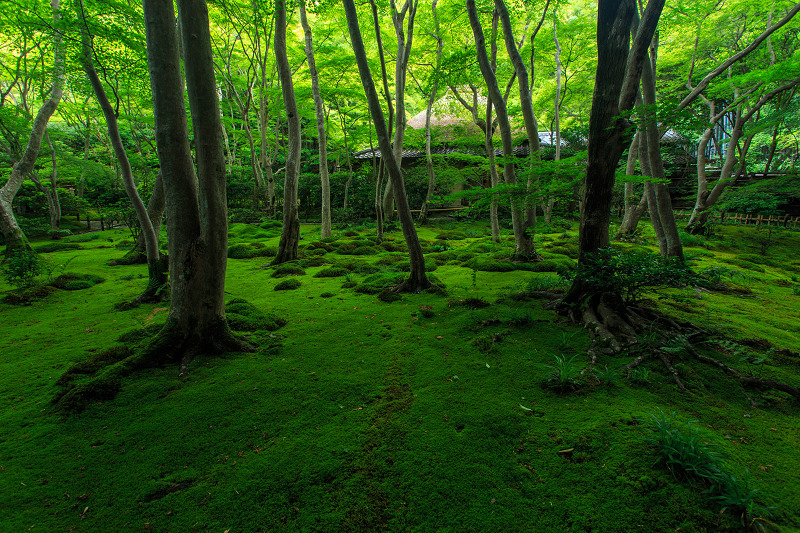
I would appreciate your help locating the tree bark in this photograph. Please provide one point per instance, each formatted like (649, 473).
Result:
(196, 206)
(706, 199)
(633, 209)
(51, 192)
(616, 84)
(423, 212)
(156, 275)
(325, 227)
(13, 235)
(531, 128)
(290, 235)
(523, 243)
(417, 280)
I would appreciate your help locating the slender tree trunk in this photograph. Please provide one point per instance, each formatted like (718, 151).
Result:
(13, 235)
(51, 192)
(633, 209)
(325, 228)
(290, 235)
(423, 212)
(528, 250)
(523, 244)
(155, 212)
(664, 202)
(156, 274)
(417, 280)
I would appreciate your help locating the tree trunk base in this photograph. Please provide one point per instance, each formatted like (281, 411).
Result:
(616, 326)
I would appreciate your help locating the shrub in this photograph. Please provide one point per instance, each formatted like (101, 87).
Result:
(22, 267)
(627, 274)
(288, 285)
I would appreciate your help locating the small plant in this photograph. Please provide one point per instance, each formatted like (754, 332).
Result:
(640, 376)
(565, 345)
(685, 453)
(563, 374)
(547, 283)
(737, 497)
(607, 376)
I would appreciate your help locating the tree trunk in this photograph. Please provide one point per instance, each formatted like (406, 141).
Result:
(155, 212)
(523, 243)
(616, 82)
(423, 212)
(666, 215)
(531, 127)
(633, 209)
(196, 208)
(417, 280)
(290, 235)
(706, 200)
(51, 192)
(325, 228)
(14, 238)
(156, 274)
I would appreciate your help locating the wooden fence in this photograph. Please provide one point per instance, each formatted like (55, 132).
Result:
(757, 220)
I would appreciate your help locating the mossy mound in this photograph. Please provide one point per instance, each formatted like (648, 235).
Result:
(59, 246)
(75, 282)
(490, 265)
(135, 336)
(288, 270)
(244, 316)
(394, 246)
(95, 364)
(376, 283)
(452, 236)
(332, 272)
(288, 285)
(248, 251)
(311, 262)
(271, 224)
(29, 295)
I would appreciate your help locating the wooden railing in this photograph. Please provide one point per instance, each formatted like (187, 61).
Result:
(756, 220)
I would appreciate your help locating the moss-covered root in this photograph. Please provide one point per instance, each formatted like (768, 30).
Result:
(756, 382)
(182, 345)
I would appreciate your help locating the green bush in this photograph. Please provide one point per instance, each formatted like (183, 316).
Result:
(627, 274)
(288, 285)
(22, 268)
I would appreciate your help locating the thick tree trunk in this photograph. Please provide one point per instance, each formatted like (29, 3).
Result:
(616, 81)
(417, 280)
(157, 276)
(195, 203)
(290, 235)
(325, 227)
(13, 235)
(523, 243)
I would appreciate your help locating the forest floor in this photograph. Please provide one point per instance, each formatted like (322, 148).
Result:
(428, 413)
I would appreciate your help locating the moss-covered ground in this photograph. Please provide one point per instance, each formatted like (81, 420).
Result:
(423, 414)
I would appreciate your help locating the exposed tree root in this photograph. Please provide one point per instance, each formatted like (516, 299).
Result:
(615, 326)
